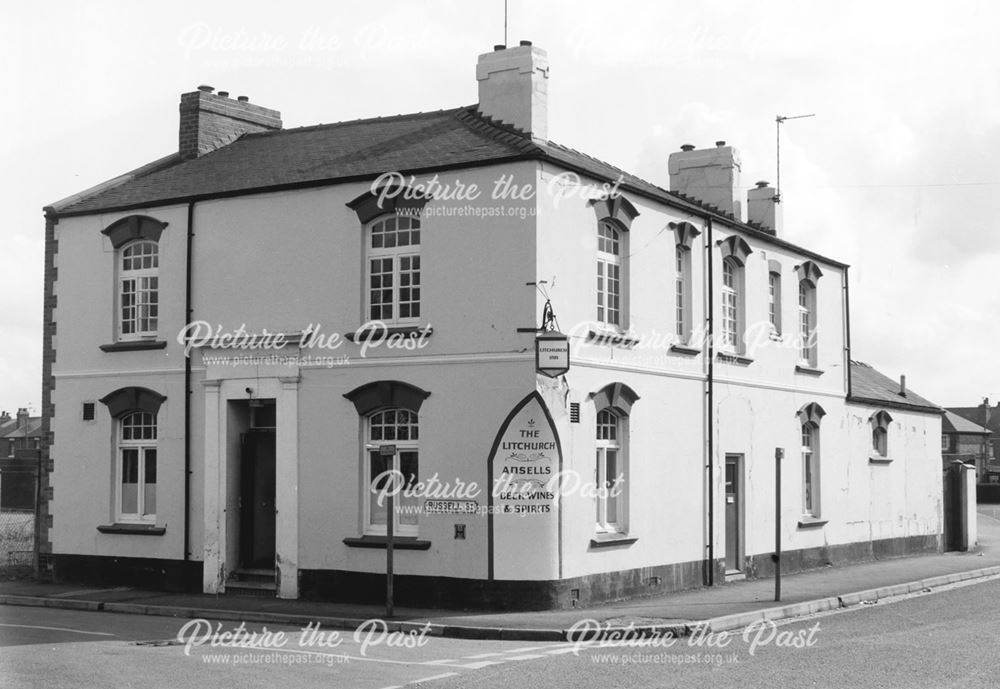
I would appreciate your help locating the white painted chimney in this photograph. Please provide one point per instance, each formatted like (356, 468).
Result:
(710, 175)
(763, 207)
(514, 87)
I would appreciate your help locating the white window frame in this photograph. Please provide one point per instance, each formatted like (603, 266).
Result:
(610, 275)
(606, 522)
(398, 257)
(774, 301)
(732, 306)
(404, 524)
(807, 323)
(144, 425)
(810, 470)
(682, 293)
(140, 319)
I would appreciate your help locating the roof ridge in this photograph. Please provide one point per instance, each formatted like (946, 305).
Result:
(358, 121)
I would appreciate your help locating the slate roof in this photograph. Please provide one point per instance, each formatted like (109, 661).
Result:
(871, 387)
(975, 415)
(953, 423)
(360, 150)
(10, 429)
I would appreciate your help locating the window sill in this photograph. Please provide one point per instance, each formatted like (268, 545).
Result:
(808, 370)
(398, 542)
(613, 338)
(133, 529)
(879, 460)
(811, 522)
(685, 350)
(408, 331)
(731, 358)
(611, 540)
(133, 345)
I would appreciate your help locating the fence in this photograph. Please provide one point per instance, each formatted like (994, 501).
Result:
(18, 492)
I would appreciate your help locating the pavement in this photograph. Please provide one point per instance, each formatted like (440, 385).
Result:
(728, 606)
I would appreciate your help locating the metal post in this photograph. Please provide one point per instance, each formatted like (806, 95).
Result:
(390, 516)
(779, 452)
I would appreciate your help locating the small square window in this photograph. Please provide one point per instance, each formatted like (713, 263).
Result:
(88, 411)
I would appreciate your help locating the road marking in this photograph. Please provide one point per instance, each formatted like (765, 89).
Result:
(480, 665)
(431, 679)
(484, 655)
(448, 661)
(56, 629)
(560, 651)
(528, 656)
(527, 649)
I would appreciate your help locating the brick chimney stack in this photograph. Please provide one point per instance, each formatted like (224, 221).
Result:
(22, 419)
(709, 175)
(4, 417)
(210, 121)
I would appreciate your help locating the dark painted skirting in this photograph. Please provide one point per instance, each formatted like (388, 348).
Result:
(148, 573)
(761, 566)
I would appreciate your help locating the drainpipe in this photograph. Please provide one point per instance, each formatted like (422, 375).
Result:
(847, 329)
(711, 403)
(187, 389)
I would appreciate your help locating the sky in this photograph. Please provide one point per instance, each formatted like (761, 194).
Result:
(894, 175)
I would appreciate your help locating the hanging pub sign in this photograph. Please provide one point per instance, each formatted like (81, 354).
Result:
(552, 353)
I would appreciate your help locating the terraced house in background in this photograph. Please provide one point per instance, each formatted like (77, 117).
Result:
(189, 447)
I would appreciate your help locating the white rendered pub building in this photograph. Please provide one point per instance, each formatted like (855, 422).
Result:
(245, 336)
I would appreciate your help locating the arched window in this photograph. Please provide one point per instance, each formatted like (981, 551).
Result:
(732, 300)
(610, 471)
(810, 417)
(136, 485)
(139, 289)
(392, 466)
(609, 274)
(880, 421)
(807, 323)
(394, 270)
(613, 405)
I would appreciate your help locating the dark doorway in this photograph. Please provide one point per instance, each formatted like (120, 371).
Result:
(734, 516)
(257, 484)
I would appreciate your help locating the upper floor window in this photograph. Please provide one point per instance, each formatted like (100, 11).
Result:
(614, 218)
(136, 241)
(807, 322)
(609, 274)
(945, 443)
(394, 270)
(809, 275)
(685, 233)
(732, 284)
(774, 302)
(735, 252)
(139, 289)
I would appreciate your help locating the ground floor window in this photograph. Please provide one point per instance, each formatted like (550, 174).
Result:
(137, 467)
(392, 466)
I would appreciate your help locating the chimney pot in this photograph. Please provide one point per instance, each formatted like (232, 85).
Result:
(687, 147)
(902, 386)
(499, 46)
(762, 184)
(224, 94)
(526, 43)
(243, 99)
(206, 89)
(720, 144)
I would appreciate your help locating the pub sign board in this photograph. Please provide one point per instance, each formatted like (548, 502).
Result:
(552, 353)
